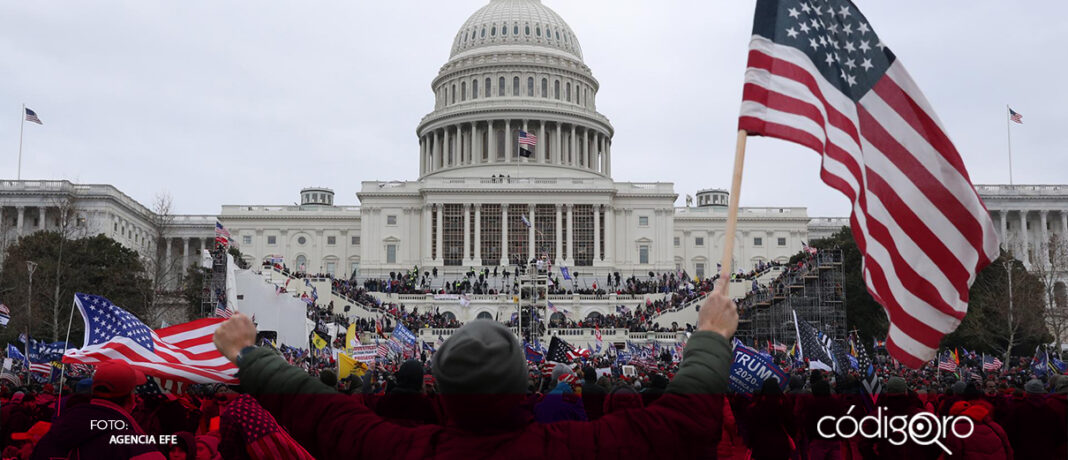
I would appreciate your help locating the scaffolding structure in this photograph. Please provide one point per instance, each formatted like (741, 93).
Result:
(816, 292)
(533, 300)
(214, 290)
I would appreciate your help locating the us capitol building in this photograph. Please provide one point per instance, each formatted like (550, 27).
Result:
(514, 66)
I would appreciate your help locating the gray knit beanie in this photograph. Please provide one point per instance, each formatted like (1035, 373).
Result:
(483, 357)
(1034, 386)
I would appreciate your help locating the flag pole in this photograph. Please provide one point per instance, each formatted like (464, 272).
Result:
(732, 212)
(22, 127)
(1008, 132)
(63, 364)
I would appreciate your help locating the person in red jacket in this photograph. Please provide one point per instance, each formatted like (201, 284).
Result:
(482, 375)
(988, 441)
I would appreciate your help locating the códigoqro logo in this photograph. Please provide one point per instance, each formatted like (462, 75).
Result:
(923, 428)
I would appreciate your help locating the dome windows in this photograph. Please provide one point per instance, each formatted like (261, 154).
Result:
(515, 86)
(504, 30)
(453, 94)
(474, 89)
(537, 30)
(515, 30)
(556, 89)
(500, 86)
(530, 87)
(463, 91)
(483, 32)
(544, 87)
(493, 31)
(568, 93)
(558, 35)
(489, 89)
(528, 29)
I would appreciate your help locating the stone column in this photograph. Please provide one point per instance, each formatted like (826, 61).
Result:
(1004, 229)
(427, 233)
(596, 234)
(1025, 240)
(508, 141)
(586, 149)
(21, 216)
(542, 146)
(185, 253)
(422, 156)
(560, 144)
(504, 234)
(41, 225)
(609, 234)
(446, 146)
(1043, 246)
(438, 236)
(166, 254)
(608, 155)
(466, 259)
(574, 154)
(491, 137)
(559, 254)
(476, 157)
(439, 148)
(1064, 226)
(478, 234)
(570, 234)
(530, 233)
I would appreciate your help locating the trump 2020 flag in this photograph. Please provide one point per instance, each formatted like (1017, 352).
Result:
(818, 75)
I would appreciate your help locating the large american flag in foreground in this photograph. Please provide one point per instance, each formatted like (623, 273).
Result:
(181, 353)
(819, 76)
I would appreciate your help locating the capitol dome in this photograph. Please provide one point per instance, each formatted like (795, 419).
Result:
(516, 23)
(515, 71)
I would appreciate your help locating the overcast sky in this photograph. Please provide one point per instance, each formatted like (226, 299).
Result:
(246, 102)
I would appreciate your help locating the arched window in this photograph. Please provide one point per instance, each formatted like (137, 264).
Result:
(548, 33)
(489, 89)
(454, 94)
(473, 32)
(527, 29)
(558, 35)
(515, 30)
(556, 89)
(578, 95)
(449, 316)
(483, 32)
(484, 315)
(544, 87)
(504, 30)
(568, 93)
(474, 89)
(493, 31)
(463, 91)
(530, 86)
(537, 30)
(556, 319)
(500, 84)
(515, 86)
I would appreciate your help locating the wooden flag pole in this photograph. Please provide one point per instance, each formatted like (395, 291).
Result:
(732, 212)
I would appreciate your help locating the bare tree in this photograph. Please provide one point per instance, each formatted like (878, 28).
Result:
(69, 227)
(164, 272)
(1051, 274)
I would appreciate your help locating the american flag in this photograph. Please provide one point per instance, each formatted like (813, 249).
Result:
(1015, 117)
(223, 311)
(5, 314)
(222, 235)
(578, 353)
(526, 138)
(559, 351)
(247, 422)
(991, 363)
(32, 116)
(181, 353)
(818, 75)
(946, 362)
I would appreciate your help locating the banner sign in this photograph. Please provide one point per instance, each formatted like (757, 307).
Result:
(403, 334)
(446, 297)
(750, 370)
(364, 352)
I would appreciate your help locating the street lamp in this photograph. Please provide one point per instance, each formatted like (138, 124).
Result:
(30, 268)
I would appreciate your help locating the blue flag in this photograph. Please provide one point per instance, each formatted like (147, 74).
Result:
(14, 353)
(750, 370)
(403, 334)
(565, 273)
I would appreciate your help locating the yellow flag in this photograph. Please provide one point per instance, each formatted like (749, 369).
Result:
(347, 366)
(350, 337)
(318, 341)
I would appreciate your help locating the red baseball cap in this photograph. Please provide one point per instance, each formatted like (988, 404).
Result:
(115, 378)
(36, 432)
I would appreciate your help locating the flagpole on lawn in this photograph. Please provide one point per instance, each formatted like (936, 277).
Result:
(22, 127)
(732, 212)
(1008, 132)
(63, 364)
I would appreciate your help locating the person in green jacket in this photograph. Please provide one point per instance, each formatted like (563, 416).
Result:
(482, 375)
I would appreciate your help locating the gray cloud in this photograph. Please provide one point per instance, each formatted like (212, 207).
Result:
(247, 102)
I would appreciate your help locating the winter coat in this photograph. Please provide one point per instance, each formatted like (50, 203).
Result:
(1033, 427)
(987, 442)
(71, 435)
(683, 423)
(406, 407)
(560, 405)
(768, 421)
(593, 396)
